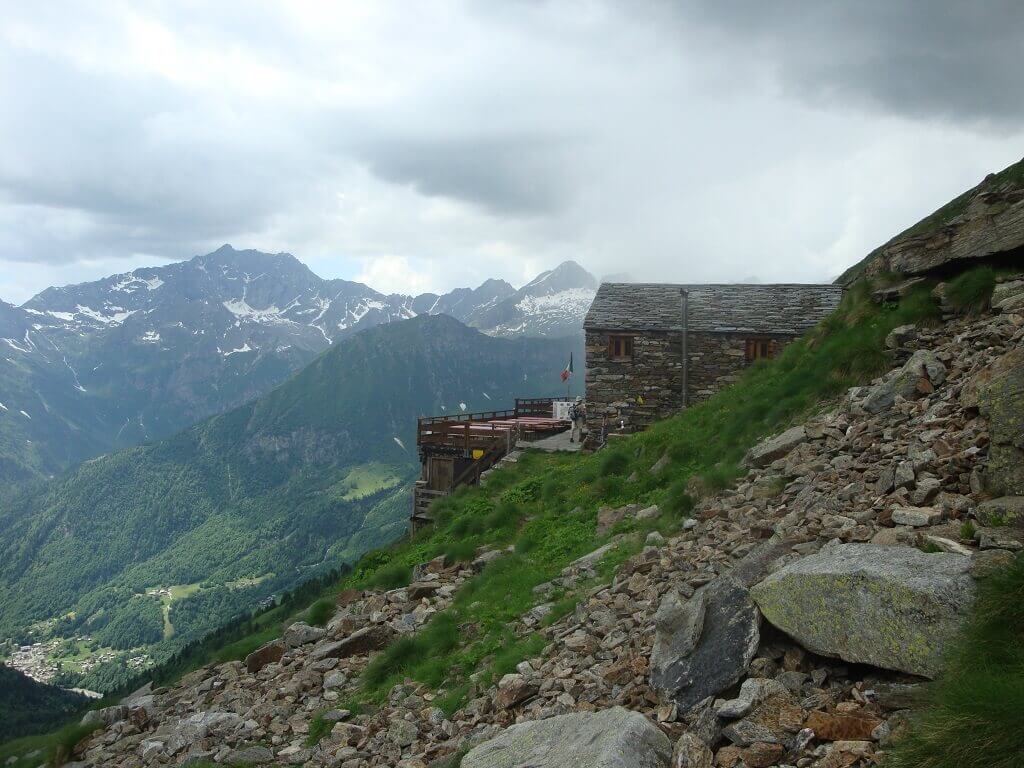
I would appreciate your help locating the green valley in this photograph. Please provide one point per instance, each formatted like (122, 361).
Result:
(152, 547)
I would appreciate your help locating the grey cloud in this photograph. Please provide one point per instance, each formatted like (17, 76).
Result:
(677, 141)
(505, 175)
(955, 60)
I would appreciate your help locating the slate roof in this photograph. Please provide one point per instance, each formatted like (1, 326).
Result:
(788, 308)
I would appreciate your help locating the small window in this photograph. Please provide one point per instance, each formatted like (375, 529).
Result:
(620, 347)
(758, 349)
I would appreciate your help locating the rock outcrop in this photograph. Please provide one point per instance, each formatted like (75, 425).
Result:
(983, 222)
(614, 738)
(891, 607)
(998, 392)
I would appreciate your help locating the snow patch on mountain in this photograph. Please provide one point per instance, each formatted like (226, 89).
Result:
(241, 309)
(117, 317)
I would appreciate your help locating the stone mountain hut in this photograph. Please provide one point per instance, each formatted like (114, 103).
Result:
(654, 348)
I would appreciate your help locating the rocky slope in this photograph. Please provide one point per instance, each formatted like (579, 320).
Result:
(89, 368)
(792, 621)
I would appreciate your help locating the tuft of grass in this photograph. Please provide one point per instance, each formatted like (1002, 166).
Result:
(967, 530)
(973, 717)
(459, 552)
(971, 291)
(414, 655)
(320, 612)
(390, 576)
(614, 461)
(318, 729)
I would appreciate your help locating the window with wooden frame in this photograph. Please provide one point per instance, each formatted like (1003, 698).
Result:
(620, 347)
(758, 349)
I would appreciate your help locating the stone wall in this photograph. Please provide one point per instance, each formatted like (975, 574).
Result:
(718, 359)
(638, 391)
(627, 395)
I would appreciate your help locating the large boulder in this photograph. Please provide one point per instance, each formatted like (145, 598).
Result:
(704, 645)
(300, 633)
(998, 393)
(767, 451)
(891, 607)
(1006, 510)
(612, 738)
(359, 643)
(271, 653)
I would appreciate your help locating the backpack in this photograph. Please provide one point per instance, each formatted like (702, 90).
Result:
(574, 412)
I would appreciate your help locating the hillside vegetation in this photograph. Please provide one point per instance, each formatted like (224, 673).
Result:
(250, 503)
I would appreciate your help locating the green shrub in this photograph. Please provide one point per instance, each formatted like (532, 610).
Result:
(971, 291)
(320, 612)
(973, 717)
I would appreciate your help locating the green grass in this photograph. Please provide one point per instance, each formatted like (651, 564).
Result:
(971, 291)
(974, 715)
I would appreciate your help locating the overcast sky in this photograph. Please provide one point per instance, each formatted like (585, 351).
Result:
(426, 145)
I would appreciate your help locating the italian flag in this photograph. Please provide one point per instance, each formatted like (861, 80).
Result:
(568, 369)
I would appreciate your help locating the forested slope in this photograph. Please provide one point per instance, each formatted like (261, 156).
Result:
(246, 504)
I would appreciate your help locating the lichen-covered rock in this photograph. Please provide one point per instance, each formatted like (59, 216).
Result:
(1001, 511)
(613, 738)
(891, 607)
(1009, 296)
(998, 392)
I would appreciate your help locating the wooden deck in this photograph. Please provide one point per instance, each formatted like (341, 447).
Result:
(456, 449)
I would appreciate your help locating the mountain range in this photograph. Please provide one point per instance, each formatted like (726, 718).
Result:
(143, 549)
(89, 368)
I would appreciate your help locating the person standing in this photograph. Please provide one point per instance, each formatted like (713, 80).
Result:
(578, 416)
